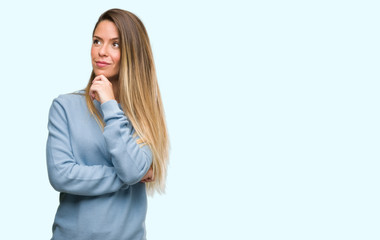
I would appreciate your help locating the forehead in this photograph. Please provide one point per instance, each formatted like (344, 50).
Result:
(106, 29)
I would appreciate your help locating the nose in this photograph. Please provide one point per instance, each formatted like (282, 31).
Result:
(103, 51)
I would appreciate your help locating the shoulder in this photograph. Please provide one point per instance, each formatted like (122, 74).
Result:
(69, 101)
(70, 98)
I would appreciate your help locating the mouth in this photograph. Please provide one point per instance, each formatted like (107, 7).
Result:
(101, 64)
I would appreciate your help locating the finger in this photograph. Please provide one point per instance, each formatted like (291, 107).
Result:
(96, 80)
(93, 93)
(100, 78)
(103, 79)
(97, 83)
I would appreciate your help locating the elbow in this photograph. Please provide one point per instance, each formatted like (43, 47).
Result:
(57, 181)
(130, 180)
(132, 177)
(56, 184)
(139, 171)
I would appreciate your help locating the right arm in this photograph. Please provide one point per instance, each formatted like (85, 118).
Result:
(65, 174)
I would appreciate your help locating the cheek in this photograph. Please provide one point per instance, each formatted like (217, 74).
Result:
(93, 52)
(116, 59)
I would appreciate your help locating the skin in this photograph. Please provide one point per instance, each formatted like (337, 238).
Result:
(105, 48)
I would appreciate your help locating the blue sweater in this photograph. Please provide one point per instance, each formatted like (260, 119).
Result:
(97, 173)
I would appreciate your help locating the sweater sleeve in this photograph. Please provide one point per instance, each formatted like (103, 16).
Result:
(65, 174)
(131, 161)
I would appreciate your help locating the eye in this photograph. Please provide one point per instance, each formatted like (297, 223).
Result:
(116, 44)
(96, 42)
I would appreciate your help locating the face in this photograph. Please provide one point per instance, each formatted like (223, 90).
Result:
(105, 50)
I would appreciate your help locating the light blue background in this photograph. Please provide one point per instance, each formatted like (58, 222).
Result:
(272, 109)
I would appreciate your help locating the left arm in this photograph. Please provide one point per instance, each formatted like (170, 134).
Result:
(131, 162)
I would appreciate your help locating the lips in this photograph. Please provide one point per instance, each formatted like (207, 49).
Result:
(101, 64)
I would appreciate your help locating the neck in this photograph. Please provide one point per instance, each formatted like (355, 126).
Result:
(115, 86)
(114, 78)
(116, 91)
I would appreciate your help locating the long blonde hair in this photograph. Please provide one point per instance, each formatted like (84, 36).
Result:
(139, 93)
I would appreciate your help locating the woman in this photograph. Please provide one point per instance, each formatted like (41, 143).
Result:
(108, 144)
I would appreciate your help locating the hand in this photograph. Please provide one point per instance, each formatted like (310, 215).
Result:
(101, 89)
(148, 176)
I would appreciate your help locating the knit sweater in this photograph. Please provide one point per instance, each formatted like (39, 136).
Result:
(97, 173)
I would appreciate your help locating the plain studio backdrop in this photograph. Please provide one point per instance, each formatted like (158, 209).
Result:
(272, 109)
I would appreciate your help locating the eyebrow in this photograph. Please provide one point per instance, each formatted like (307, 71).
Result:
(116, 38)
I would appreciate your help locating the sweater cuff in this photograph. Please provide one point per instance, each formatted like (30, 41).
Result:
(110, 109)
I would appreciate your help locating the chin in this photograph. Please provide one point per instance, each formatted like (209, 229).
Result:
(107, 74)
(100, 72)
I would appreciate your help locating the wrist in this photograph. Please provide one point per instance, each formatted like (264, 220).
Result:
(106, 100)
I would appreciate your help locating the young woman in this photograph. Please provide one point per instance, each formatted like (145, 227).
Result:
(108, 144)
